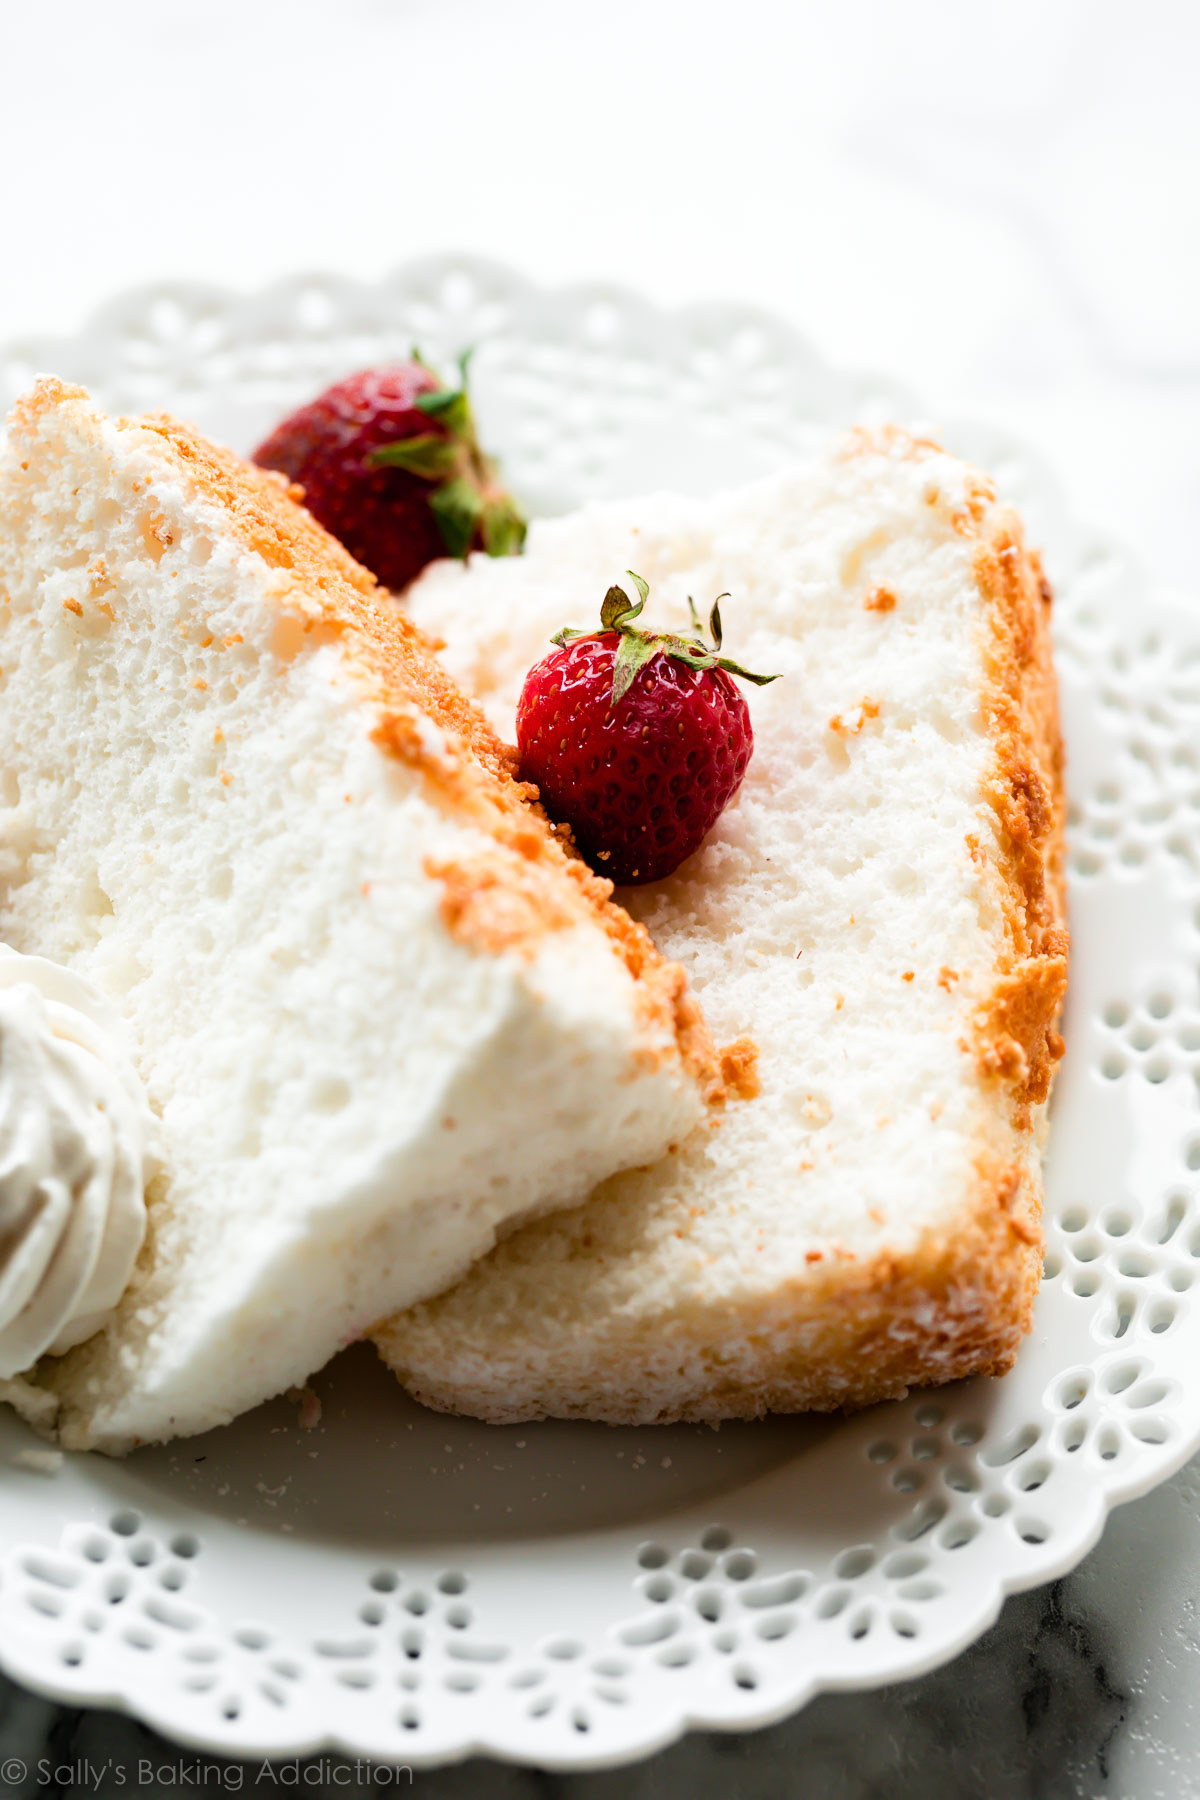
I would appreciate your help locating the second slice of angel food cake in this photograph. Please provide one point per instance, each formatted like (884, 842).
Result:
(880, 912)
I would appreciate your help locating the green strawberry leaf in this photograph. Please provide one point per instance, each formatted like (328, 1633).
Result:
(633, 653)
(450, 407)
(430, 456)
(732, 668)
(688, 650)
(618, 609)
(615, 608)
(503, 527)
(456, 506)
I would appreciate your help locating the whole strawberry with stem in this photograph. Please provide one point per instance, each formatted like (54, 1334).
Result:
(390, 464)
(637, 740)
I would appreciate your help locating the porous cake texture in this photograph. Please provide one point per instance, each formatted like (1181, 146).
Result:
(377, 1008)
(880, 912)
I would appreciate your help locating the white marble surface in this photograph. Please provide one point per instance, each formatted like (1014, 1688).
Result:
(1000, 206)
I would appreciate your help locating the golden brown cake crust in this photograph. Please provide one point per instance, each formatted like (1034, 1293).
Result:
(853, 1332)
(856, 1334)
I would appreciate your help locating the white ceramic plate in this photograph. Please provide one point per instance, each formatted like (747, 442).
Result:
(417, 1588)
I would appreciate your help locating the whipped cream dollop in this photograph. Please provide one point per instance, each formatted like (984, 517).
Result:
(77, 1144)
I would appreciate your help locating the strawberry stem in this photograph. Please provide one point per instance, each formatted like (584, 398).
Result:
(637, 647)
(471, 508)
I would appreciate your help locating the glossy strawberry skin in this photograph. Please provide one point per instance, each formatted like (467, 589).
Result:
(641, 783)
(381, 515)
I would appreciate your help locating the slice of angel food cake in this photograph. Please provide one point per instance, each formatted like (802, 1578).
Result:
(880, 913)
(298, 903)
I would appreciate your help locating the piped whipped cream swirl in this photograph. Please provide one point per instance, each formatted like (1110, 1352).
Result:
(77, 1144)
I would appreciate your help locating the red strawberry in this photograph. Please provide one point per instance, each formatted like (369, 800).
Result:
(390, 464)
(637, 740)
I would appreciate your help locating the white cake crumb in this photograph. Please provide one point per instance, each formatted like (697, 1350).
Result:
(42, 1462)
(309, 1404)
